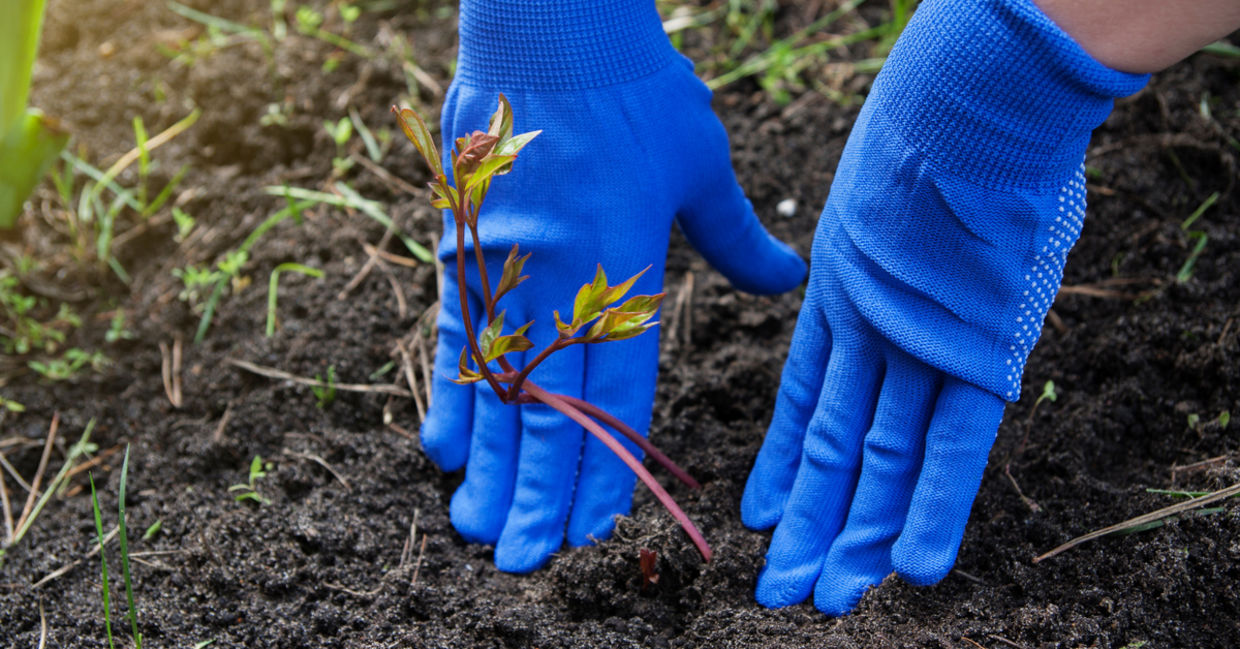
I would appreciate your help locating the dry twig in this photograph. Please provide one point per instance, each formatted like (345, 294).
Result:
(272, 373)
(406, 362)
(1144, 518)
(38, 474)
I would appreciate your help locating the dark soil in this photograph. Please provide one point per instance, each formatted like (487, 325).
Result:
(321, 565)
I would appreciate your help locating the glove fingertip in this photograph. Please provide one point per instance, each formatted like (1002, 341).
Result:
(761, 509)
(775, 270)
(441, 444)
(923, 566)
(838, 598)
(524, 555)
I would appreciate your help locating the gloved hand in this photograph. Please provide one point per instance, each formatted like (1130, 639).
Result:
(940, 249)
(629, 143)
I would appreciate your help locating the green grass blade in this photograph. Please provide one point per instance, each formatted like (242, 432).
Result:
(124, 541)
(351, 199)
(103, 561)
(273, 285)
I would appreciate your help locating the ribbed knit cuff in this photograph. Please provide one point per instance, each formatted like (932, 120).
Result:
(559, 44)
(995, 91)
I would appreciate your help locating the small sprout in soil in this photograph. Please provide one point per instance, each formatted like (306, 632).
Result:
(274, 283)
(1199, 238)
(8, 405)
(69, 364)
(325, 392)
(249, 490)
(340, 132)
(153, 530)
(1194, 420)
(123, 538)
(600, 313)
(648, 560)
(103, 561)
(116, 328)
(1224, 418)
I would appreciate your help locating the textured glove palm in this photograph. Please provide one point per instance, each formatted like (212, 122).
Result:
(938, 254)
(629, 143)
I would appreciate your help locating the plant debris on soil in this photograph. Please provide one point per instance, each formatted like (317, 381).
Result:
(348, 541)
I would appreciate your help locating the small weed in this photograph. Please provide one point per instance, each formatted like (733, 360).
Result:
(1224, 418)
(153, 530)
(249, 490)
(273, 285)
(9, 405)
(325, 393)
(341, 132)
(116, 328)
(1197, 237)
(68, 364)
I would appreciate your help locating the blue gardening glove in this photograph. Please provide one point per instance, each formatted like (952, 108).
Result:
(629, 144)
(940, 249)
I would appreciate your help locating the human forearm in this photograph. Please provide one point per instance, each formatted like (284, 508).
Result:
(1143, 36)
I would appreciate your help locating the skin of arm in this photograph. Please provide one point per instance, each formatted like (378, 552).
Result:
(1143, 36)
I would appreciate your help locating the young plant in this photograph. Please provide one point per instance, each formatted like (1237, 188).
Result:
(29, 142)
(124, 541)
(273, 285)
(325, 394)
(598, 309)
(249, 490)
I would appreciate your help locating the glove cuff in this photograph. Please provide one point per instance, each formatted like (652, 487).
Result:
(559, 44)
(994, 91)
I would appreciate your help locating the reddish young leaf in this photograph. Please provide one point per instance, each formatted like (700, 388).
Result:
(471, 153)
(415, 129)
(501, 120)
(512, 276)
(467, 375)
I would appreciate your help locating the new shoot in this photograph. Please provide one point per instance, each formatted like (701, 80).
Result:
(600, 312)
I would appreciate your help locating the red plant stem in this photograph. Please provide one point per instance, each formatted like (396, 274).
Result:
(469, 321)
(515, 388)
(482, 274)
(650, 449)
(634, 465)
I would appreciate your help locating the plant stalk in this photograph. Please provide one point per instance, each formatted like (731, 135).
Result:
(627, 457)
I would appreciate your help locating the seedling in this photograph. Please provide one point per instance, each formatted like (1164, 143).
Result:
(103, 561)
(274, 283)
(341, 132)
(1198, 237)
(597, 310)
(325, 393)
(249, 490)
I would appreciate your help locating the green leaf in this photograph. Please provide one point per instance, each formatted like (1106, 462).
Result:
(627, 320)
(467, 375)
(512, 276)
(510, 343)
(564, 329)
(490, 166)
(415, 129)
(501, 121)
(488, 335)
(514, 144)
(628, 333)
